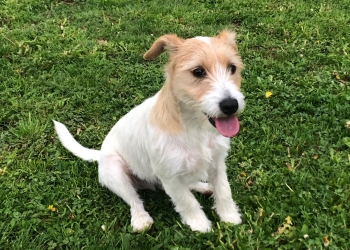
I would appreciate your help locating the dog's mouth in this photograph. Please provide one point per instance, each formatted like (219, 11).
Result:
(227, 126)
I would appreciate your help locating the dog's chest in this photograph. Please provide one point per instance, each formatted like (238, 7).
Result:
(196, 164)
(190, 159)
(202, 154)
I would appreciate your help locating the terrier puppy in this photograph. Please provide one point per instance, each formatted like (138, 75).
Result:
(179, 138)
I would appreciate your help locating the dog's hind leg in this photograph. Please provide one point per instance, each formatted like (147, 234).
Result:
(114, 174)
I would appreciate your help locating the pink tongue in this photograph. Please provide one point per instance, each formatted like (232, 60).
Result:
(227, 126)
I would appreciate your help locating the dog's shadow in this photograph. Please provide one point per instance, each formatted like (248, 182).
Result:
(159, 205)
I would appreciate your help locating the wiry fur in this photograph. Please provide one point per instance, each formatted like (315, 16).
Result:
(168, 140)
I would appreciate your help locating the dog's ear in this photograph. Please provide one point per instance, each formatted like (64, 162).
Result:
(228, 37)
(163, 43)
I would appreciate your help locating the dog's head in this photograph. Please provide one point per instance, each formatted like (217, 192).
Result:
(203, 75)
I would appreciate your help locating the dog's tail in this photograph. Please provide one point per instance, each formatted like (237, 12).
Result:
(72, 145)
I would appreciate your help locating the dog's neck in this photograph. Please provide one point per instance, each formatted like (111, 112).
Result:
(173, 116)
(165, 113)
(191, 119)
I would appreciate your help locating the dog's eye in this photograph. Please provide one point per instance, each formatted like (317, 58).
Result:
(199, 72)
(231, 68)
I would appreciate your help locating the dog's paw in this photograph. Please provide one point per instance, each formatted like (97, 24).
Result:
(199, 223)
(141, 222)
(232, 217)
(228, 212)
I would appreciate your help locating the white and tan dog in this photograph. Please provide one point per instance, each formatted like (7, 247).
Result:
(179, 137)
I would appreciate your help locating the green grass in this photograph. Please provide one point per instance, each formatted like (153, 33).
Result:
(80, 62)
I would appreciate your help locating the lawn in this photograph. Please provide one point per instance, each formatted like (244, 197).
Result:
(80, 62)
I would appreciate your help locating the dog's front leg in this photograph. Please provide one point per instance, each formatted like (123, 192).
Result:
(186, 205)
(225, 207)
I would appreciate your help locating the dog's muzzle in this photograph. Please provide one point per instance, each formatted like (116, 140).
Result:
(227, 125)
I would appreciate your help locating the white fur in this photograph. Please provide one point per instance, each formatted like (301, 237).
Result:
(222, 87)
(72, 145)
(203, 39)
(135, 152)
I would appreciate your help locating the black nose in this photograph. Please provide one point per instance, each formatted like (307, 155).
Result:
(228, 106)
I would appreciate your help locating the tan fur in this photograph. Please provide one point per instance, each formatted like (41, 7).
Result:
(165, 113)
(229, 38)
(189, 58)
(184, 57)
(163, 43)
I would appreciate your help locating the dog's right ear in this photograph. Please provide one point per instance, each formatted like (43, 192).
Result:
(163, 43)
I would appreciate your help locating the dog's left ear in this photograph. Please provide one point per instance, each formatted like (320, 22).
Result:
(228, 37)
(163, 43)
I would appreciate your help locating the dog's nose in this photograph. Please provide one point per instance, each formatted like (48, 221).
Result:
(228, 106)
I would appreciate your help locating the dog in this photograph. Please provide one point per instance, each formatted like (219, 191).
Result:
(179, 138)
